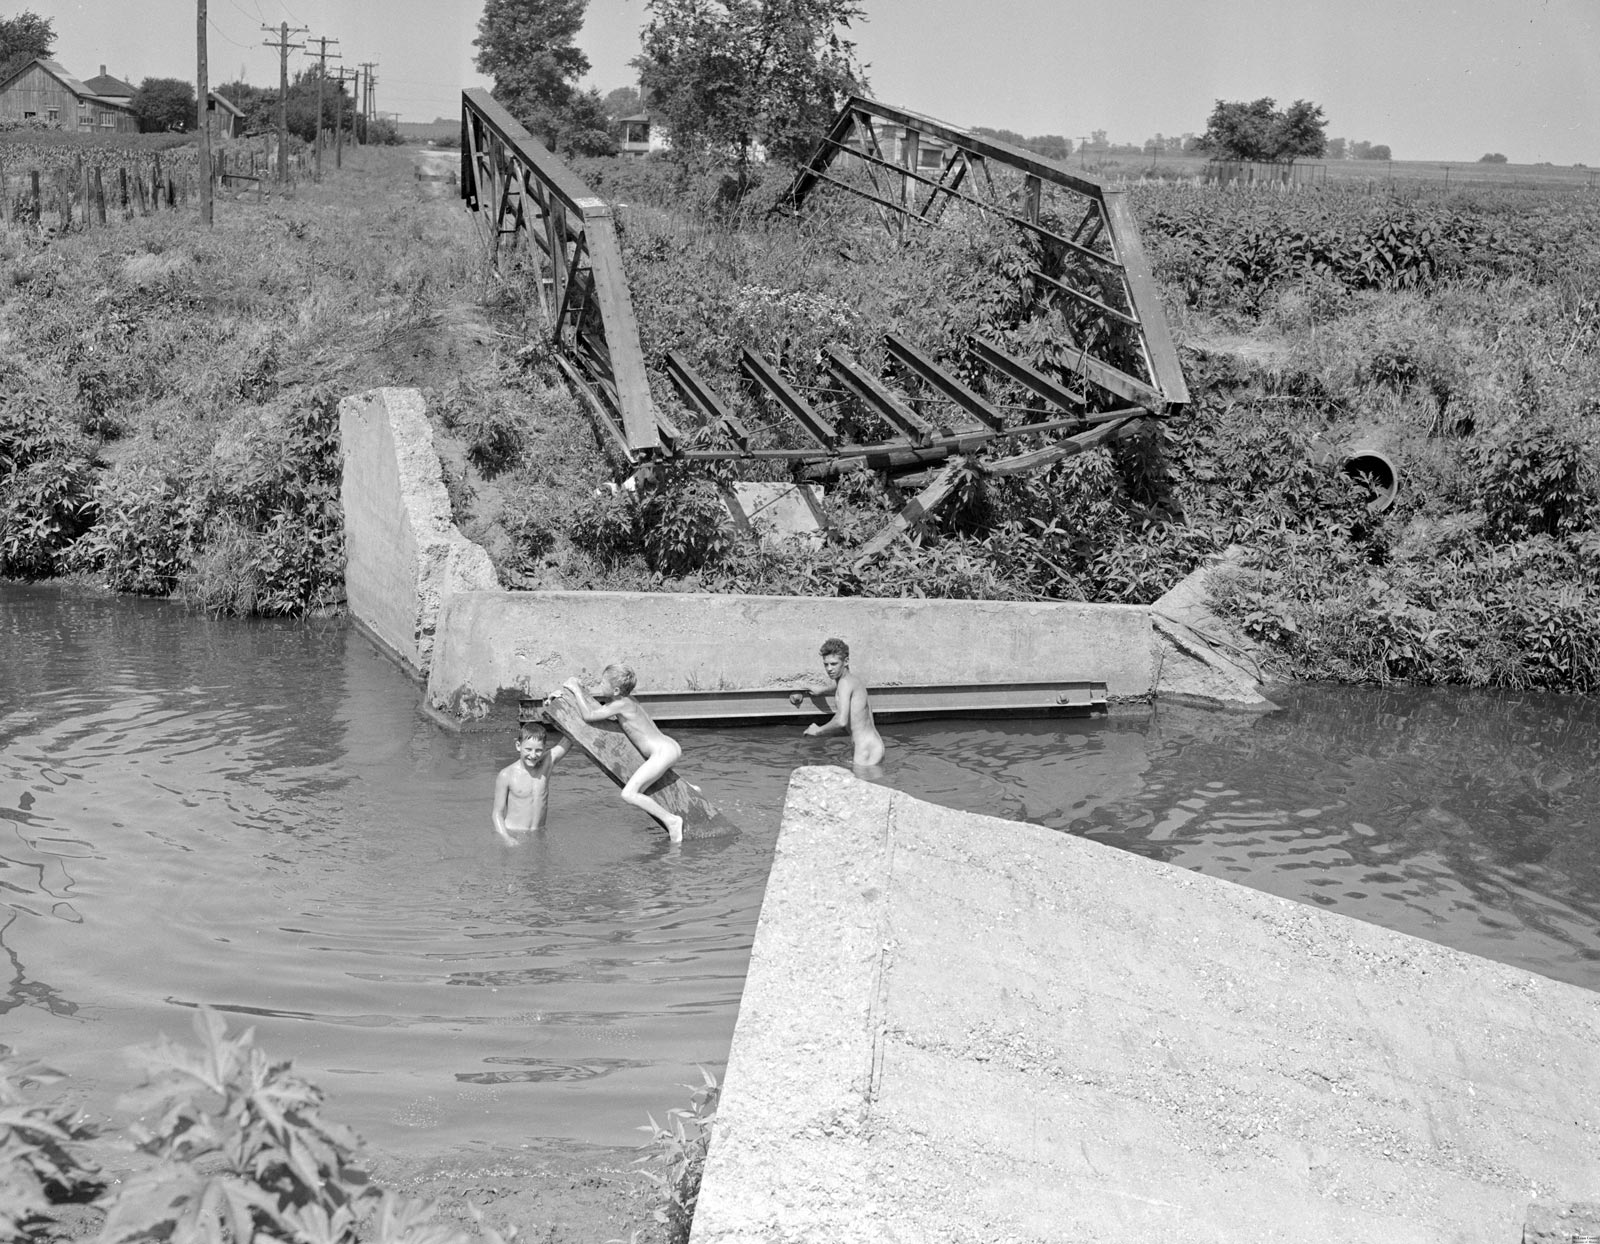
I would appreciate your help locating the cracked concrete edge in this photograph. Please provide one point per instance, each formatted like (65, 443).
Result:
(798, 1135)
(404, 555)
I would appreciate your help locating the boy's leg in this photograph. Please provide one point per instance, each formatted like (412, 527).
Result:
(647, 773)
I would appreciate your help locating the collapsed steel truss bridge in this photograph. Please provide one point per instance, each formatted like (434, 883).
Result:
(1114, 365)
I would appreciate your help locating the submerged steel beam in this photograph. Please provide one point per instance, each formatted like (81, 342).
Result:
(802, 705)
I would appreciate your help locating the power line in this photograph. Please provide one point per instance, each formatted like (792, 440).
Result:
(212, 22)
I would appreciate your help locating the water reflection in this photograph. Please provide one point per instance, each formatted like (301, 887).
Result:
(253, 816)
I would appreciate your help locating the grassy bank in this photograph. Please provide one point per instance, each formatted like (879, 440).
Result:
(168, 394)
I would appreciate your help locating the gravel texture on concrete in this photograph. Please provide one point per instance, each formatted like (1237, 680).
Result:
(959, 1028)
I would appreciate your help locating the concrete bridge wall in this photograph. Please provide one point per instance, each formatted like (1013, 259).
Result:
(432, 598)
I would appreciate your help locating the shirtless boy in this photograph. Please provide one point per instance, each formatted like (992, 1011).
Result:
(854, 713)
(660, 752)
(522, 791)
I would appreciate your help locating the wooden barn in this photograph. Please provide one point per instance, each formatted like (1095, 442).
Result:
(42, 90)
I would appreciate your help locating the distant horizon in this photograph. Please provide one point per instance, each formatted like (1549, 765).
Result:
(1467, 77)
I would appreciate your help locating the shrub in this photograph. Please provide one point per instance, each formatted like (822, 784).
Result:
(680, 1155)
(606, 527)
(46, 489)
(1534, 477)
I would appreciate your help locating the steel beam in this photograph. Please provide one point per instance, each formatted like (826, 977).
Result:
(801, 705)
(876, 395)
(766, 376)
(699, 397)
(1037, 382)
(942, 381)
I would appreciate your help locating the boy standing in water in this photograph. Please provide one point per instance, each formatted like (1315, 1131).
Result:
(522, 791)
(660, 752)
(854, 713)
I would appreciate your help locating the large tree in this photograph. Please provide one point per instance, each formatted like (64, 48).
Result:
(729, 76)
(1258, 131)
(164, 104)
(528, 48)
(22, 38)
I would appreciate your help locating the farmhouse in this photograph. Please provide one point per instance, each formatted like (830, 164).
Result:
(42, 90)
(107, 87)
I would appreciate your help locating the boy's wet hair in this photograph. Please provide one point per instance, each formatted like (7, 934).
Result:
(621, 679)
(836, 647)
(528, 727)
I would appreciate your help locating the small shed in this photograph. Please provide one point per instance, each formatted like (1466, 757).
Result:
(41, 90)
(224, 118)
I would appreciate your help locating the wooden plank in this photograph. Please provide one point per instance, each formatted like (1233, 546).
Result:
(942, 381)
(700, 398)
(1081, 443)
(1069, 400)
(766, 375)
(617, 758)
(875, 394)
(917, 509)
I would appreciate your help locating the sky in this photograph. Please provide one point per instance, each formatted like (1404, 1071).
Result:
(1444, 81)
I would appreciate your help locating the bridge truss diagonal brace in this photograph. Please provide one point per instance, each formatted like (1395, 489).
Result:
(1111, 244)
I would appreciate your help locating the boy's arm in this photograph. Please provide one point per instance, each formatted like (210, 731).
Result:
(502, 792)
(590, 709)
(840, 721)
(561, 748)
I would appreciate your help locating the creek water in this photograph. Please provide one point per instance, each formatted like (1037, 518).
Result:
(252, 816)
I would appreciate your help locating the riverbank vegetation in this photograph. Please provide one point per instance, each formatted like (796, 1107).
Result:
(167, 408)
(222, 1143)
(168, 394)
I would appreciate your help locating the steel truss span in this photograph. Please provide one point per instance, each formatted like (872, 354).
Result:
(1116, 365)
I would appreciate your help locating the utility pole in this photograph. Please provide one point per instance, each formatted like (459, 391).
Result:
(203, 90)
(283, 45)
(322, 77)
(367, 98)
(338, 116)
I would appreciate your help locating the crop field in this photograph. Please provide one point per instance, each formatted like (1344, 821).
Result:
(52, 179)
(1397, 176)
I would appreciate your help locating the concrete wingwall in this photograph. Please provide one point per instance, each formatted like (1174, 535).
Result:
(404, 556)
(431, 597)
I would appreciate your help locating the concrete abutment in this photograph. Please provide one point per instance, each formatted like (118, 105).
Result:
(431, 597)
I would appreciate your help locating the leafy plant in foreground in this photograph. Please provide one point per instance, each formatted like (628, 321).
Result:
(242, 1154)
(40, 1164)
(680, 1154)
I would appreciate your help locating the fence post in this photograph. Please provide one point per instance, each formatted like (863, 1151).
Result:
(5, 197)
(64, 200)
(127, 207)
(33, 176)
(99, 196)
